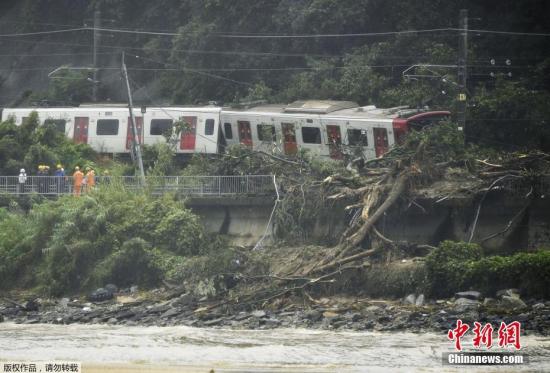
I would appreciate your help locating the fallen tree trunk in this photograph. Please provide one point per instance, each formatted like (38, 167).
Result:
(397, 189)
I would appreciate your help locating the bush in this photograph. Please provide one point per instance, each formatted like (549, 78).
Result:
(456, 266)
(109, 235)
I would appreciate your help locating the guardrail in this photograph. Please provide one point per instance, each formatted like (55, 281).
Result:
(188, 185)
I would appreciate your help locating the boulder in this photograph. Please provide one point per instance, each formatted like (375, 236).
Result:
(100, 295)
(539, 306)
(472, 294)
(30, 305)
(410, 299)
(213, 322)
(183, 300)
(329, 314)
(111, 288)
(419, 300)
(313, 315)
(272, 322)
(259, 313)
(463, 304)
(1, 318)
(508, 292)
(512, 302)
(242, 316)
(171, 312)
(490, 302)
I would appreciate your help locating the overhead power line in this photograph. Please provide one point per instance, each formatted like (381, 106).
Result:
(44, 32)
(280, 36)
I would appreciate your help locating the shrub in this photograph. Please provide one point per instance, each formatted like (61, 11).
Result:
(456, 266)
(109, 235)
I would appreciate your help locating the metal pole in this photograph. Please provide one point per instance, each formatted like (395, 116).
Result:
(462, 69)
(135, 139)
(97, 25)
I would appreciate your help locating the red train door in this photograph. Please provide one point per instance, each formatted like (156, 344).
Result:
(81, 130)
(334, 141)
(189, 133)
(289, 139)
(139, 128)
(380, 141)
(245, 135)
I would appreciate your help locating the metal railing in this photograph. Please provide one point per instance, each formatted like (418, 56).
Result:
(201, 186)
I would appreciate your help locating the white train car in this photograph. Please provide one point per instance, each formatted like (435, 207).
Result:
(326, 128)
(107, 129)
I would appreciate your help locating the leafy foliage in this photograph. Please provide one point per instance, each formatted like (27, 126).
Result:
(108, 235)
(30, 144)
(456, 266)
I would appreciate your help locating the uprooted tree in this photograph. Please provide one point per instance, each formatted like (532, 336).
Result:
(370, 188)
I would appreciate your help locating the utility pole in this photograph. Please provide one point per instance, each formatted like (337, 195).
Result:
(136, 146)
(462, 69)
(97, 25)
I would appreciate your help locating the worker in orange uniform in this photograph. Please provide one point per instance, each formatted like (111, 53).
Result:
(78, 176)
(90, 178)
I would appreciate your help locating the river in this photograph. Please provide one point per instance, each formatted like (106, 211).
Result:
(187, 349)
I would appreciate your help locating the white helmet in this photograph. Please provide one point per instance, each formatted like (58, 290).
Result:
(22, 170)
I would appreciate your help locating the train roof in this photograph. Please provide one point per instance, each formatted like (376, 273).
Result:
(329, 108)
(118, 108)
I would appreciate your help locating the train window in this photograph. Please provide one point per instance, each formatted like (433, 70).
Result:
(357, 137)
(58, 123)
(311, 135)
(228, 131)
(107, 127)
(209, 127)
(161, 127)
(266, 132)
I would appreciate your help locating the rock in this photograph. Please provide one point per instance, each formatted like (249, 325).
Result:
(419, 301)
(183, 300)
(329, 314)
(353, 316)
(272, 322)
(242, 316)
(508, 292)
(86, 309)
(373, 309)
(134, 289)
(111, 288)
(463, 304)
(213, 322)
(313, 315)
(112, 321)
(125, 314)
(472, 294)
(171, 312)
(259, 313)
(100, 295)
(1, 318)
(539, 306)
(522, 317)
(410, 299)
(161, 307)
(512, 302)
(489, 302)
(30, 305)
(63, 302)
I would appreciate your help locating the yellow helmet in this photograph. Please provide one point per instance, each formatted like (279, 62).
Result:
(58, 166)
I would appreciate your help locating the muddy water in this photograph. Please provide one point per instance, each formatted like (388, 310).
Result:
(197, 349)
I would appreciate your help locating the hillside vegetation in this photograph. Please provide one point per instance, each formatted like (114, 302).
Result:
(211, 59)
